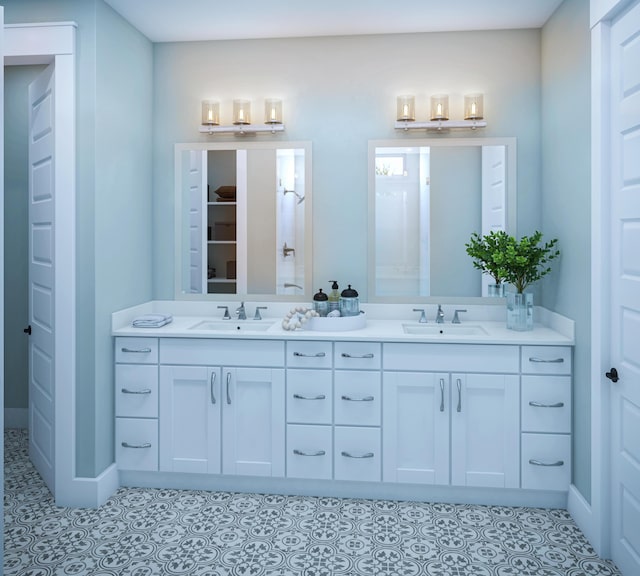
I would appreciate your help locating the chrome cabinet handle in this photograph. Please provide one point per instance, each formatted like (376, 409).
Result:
(211, 384)
(318, 397)
(316, 355)
(363, 399)
(441, 394)
(541, 405)
(301, 453)
(369, 355)
(228, 382)
(145, 445)
(365, 455)
(544, 361)
(459, 385)
(136, 350)
(546, 464)
(143, 391)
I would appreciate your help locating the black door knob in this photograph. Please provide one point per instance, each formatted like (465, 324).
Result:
(612, 375)
(27, 330)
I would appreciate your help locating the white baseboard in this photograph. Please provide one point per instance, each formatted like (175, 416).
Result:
(89, 492)
(16, 418)
(581, 513)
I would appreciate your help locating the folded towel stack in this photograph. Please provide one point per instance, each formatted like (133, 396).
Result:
(152, 320)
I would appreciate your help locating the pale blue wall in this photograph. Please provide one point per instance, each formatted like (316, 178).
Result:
(16, 246)
(566, 206)
(339, 93)
(113, 258)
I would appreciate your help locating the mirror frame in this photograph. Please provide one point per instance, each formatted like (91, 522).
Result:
(179, 148)
(511, 210)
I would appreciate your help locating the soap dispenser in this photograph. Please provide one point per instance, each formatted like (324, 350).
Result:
(334, 297)
(349, 302)
(321, 303)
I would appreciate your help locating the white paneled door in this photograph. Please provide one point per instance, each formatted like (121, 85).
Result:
(41, 276)
(625, 291)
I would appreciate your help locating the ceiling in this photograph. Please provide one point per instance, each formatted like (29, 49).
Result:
(188, 20)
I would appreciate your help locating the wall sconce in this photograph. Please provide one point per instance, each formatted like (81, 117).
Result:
(210, 113)
(440, 107)
(241, 119)
(439, 114)
(406, 108)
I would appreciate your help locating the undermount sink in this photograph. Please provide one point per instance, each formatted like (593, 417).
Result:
(232, 325)
(444, 330)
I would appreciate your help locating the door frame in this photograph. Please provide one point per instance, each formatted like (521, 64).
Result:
(27, 44)
(594, 518)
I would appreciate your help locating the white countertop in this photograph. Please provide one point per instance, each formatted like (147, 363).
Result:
(383, 323)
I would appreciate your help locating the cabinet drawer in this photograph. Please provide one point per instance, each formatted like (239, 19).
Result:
(309, 453)
(357, 399)
(361, 355)
(313, 354)
(137, 444)
(546, 404)
(546, 360)
(309, 396)
(137, 390)
(218, 351)
(357, 453)
(546, 461)
(137, 350)
(451, 357)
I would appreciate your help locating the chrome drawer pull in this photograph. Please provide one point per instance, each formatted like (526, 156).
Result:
(144, 391)
(441, 394)
(543, 361)
(316, 355)
(459, 385)
(541, 405)
(345, 355)
(145, 445)
(136, 351)
(538, 463)
(365, 455)
(301, 453)
(363, 399)
(228, 382)
(211, 384)
(318, 397)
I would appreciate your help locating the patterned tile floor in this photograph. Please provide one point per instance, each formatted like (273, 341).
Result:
(142, 532)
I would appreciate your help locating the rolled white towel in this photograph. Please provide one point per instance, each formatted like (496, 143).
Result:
(152, 320)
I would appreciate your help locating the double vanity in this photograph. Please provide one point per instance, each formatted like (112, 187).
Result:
(468, 412)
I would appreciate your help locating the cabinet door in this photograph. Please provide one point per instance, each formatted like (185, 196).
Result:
(253, 421)
(485, 423)
(190, 419)
(415, 425)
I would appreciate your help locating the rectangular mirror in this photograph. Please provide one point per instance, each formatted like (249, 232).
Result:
(426, 197)
(243, 220)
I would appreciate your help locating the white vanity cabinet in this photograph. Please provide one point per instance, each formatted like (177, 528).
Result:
(454, 408)
(136, 399)
(222, 406)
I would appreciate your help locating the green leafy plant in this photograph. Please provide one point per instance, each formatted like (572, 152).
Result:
(487, 253)
(527, 260)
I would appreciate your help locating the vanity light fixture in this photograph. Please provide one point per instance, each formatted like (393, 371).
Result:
(439, 114)
(241, 120)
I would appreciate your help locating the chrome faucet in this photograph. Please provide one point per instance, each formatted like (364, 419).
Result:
(226, 312)
(240, 311)
(257, 314)
(439, 315)
(456, 318)
(423, 316)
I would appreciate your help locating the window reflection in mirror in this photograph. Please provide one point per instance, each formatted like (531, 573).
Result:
(243, 220)
(426, 198)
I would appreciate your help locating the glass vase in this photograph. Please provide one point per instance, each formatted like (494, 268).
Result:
(495, 290)
(519, 311)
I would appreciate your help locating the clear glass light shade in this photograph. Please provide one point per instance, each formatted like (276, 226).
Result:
(440, 107)
(272, 111)
(210, 113)
(406, 108)
(473, 108)
(241, 112)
